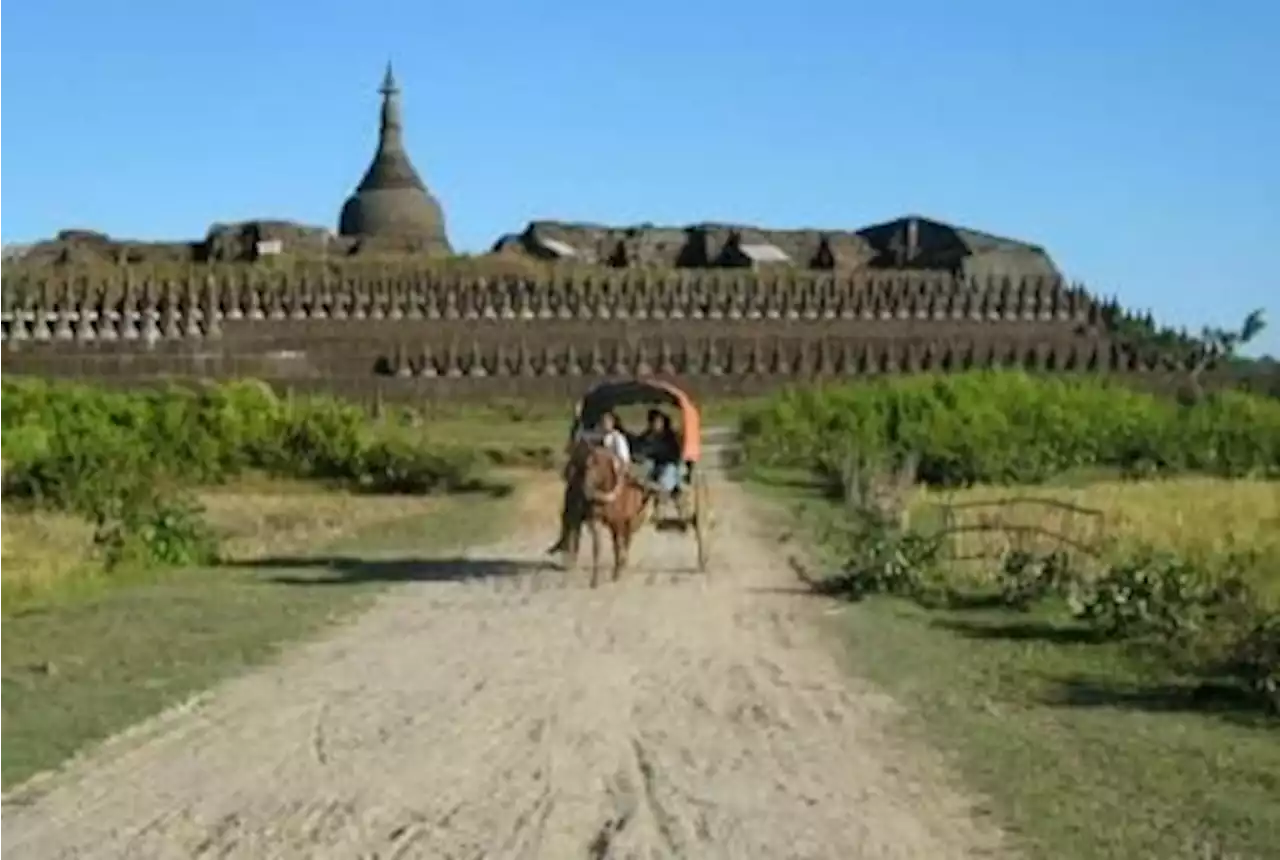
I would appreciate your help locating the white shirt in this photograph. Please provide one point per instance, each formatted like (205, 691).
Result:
(616, 442)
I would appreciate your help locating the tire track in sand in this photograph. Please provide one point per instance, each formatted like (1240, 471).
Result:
(526, 716)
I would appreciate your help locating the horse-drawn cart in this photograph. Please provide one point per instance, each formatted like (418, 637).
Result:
(689, 502)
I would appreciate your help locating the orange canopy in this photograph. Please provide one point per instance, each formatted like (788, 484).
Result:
(610, 395)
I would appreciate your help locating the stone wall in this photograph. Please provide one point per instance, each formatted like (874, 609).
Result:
(414, 334)
(408, 291)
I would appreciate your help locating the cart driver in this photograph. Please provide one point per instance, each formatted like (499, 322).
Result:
(615, 439)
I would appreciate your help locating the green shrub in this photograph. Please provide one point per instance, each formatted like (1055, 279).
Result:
(316, 438)
(881, 557)
(1255, 659)
(398, 466)
(1010, 427)
(1148, 593)
(151, 528)
(1027, 577)
(73, 447)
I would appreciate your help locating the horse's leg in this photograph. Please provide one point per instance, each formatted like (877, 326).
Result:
(573, 544)
(644, 513)
(619, 534)
(595, 552)
(566, 512)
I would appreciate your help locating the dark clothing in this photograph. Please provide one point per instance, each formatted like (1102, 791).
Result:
(573, 511)
(573, 508)
(661, 447)
(576, 433)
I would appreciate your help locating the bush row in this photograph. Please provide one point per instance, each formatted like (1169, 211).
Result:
(128, 460)
(1006, 427)
(68, 446)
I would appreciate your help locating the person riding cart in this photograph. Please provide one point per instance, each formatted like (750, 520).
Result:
(659, 447)
(668, 459)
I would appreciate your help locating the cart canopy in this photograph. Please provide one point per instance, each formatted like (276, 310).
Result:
(611, 395)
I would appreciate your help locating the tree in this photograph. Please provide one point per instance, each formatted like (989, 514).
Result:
(1218, 344)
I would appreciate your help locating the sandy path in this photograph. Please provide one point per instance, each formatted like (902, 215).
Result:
(517, 714)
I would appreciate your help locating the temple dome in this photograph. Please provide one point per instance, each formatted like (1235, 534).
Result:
(391, 204)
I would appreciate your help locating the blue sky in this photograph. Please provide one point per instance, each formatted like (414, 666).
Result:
(1133, 138)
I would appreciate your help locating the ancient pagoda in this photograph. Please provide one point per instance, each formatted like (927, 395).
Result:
(391, 207)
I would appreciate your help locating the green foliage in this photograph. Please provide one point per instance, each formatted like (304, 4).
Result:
(1149, 593)
(1009, 427)
(882, 560)
(881, 557)
(315, 438)
(397, 465)
(74, 447)
(1255, 658)
(152, 528)
(1198, 617)
(1026, 577)
(1226, 342)
(1204, 622)
(1208, 622)
(117, 458)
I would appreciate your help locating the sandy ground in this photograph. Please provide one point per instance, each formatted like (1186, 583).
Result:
(498, 708)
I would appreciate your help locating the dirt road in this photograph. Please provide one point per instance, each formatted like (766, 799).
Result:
(499, 709)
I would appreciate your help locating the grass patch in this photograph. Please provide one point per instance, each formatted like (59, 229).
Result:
(515, 437)
(82, 663)
(43, 551)
(50, 558)
(1088, 748)
(1085, 756)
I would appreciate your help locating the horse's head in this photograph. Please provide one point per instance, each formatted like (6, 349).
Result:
(603, 475)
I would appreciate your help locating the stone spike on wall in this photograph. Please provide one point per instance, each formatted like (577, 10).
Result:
(708, 324)
(666, 359)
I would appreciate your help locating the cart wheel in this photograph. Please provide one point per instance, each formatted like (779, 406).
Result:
(700, 535)
(701, 521)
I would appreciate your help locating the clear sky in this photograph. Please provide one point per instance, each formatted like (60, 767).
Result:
(1135, 139)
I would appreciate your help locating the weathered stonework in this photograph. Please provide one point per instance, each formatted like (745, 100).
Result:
(698, 246)
(908, 243)
(85, 248)
(239, 242)
(425, 335)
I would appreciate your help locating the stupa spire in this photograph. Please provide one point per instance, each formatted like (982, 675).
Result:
(390, 130)
(391, 167)
(389, 87)
(391, 198)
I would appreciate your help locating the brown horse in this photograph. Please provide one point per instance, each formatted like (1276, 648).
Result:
(608, 496)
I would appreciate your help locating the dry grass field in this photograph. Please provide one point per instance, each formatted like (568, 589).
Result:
(1213, 521)
(48, 555)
